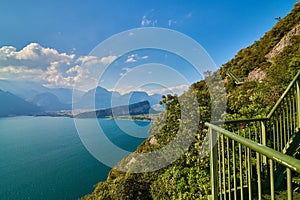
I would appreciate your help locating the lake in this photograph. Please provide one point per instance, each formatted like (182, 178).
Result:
(44, 158)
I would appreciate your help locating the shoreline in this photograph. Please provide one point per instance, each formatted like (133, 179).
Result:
(144, 117)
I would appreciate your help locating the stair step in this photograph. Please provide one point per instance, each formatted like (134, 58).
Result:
(296, 180)
(292, 149)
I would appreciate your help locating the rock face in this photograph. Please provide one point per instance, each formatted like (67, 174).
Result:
(153, 141)
(130, 110)
(283, 42)
(256, 75)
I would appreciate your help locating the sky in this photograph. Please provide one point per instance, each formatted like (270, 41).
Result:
(54, 42)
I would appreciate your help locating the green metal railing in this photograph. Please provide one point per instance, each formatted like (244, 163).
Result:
(236, 166)
(236, 79)
(241, 164)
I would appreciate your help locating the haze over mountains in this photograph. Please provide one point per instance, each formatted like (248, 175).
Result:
(11, 105)
(106, 99)
(29, 98)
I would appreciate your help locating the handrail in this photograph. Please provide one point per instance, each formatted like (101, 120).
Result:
(239, 120)
(236, 79)
(283, 95)
(267, 136)
(283, 159)
(270, 113)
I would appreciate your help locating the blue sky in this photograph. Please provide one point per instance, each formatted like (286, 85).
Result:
(44, 41)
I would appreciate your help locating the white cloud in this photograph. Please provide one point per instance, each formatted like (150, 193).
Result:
(148, 22)
(180, 20)
(126, 69)
(154, 22)
(37, 53)
(87, 60)
(32, 56)
(20, 72)
(168, 90)
(130, 60)
(134, 58)
(171, 22)
(124, 89)
(47, 66)
(122, 74)
(93, 60)
(75, 69)
(55, 77)
(108, 59)
(145, 21)
(7, 52)
(179, 89)
(13, 70)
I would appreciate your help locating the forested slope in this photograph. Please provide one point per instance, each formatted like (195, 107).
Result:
(188, 177)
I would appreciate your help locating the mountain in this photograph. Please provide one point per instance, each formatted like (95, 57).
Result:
(126, 110)
(265, 68)
(62, 98)
(23, 89)
(65, 95)
(155, 99)
(107, 99)
(98, 98)
(49, 102)
(28, 89)
(134, 97)
(12, 105)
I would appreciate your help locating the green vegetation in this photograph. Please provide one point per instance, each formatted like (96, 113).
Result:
(188, 177)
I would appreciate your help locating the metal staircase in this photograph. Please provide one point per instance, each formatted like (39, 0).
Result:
(291, 149)
(236, 79)
(250, 158)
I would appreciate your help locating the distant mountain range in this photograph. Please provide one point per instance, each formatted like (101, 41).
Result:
(12, 105)
(49, 102)
(100, 98)
(28, 90)
(39, 99)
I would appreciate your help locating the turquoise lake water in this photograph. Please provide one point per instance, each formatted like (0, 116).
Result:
(44, 158)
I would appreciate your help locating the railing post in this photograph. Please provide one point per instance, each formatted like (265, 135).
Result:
(265, 168)
(289, 184)
(264, 140)
(258, 171)
(272, 186)
(213, 163)
(298, 103)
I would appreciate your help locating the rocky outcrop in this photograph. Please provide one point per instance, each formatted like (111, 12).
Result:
(256, 75)
(153, 141)
(283, 42)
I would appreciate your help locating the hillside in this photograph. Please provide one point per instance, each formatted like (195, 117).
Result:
(188, 177)
(48, 101)
(12, 105)
(266, 77)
